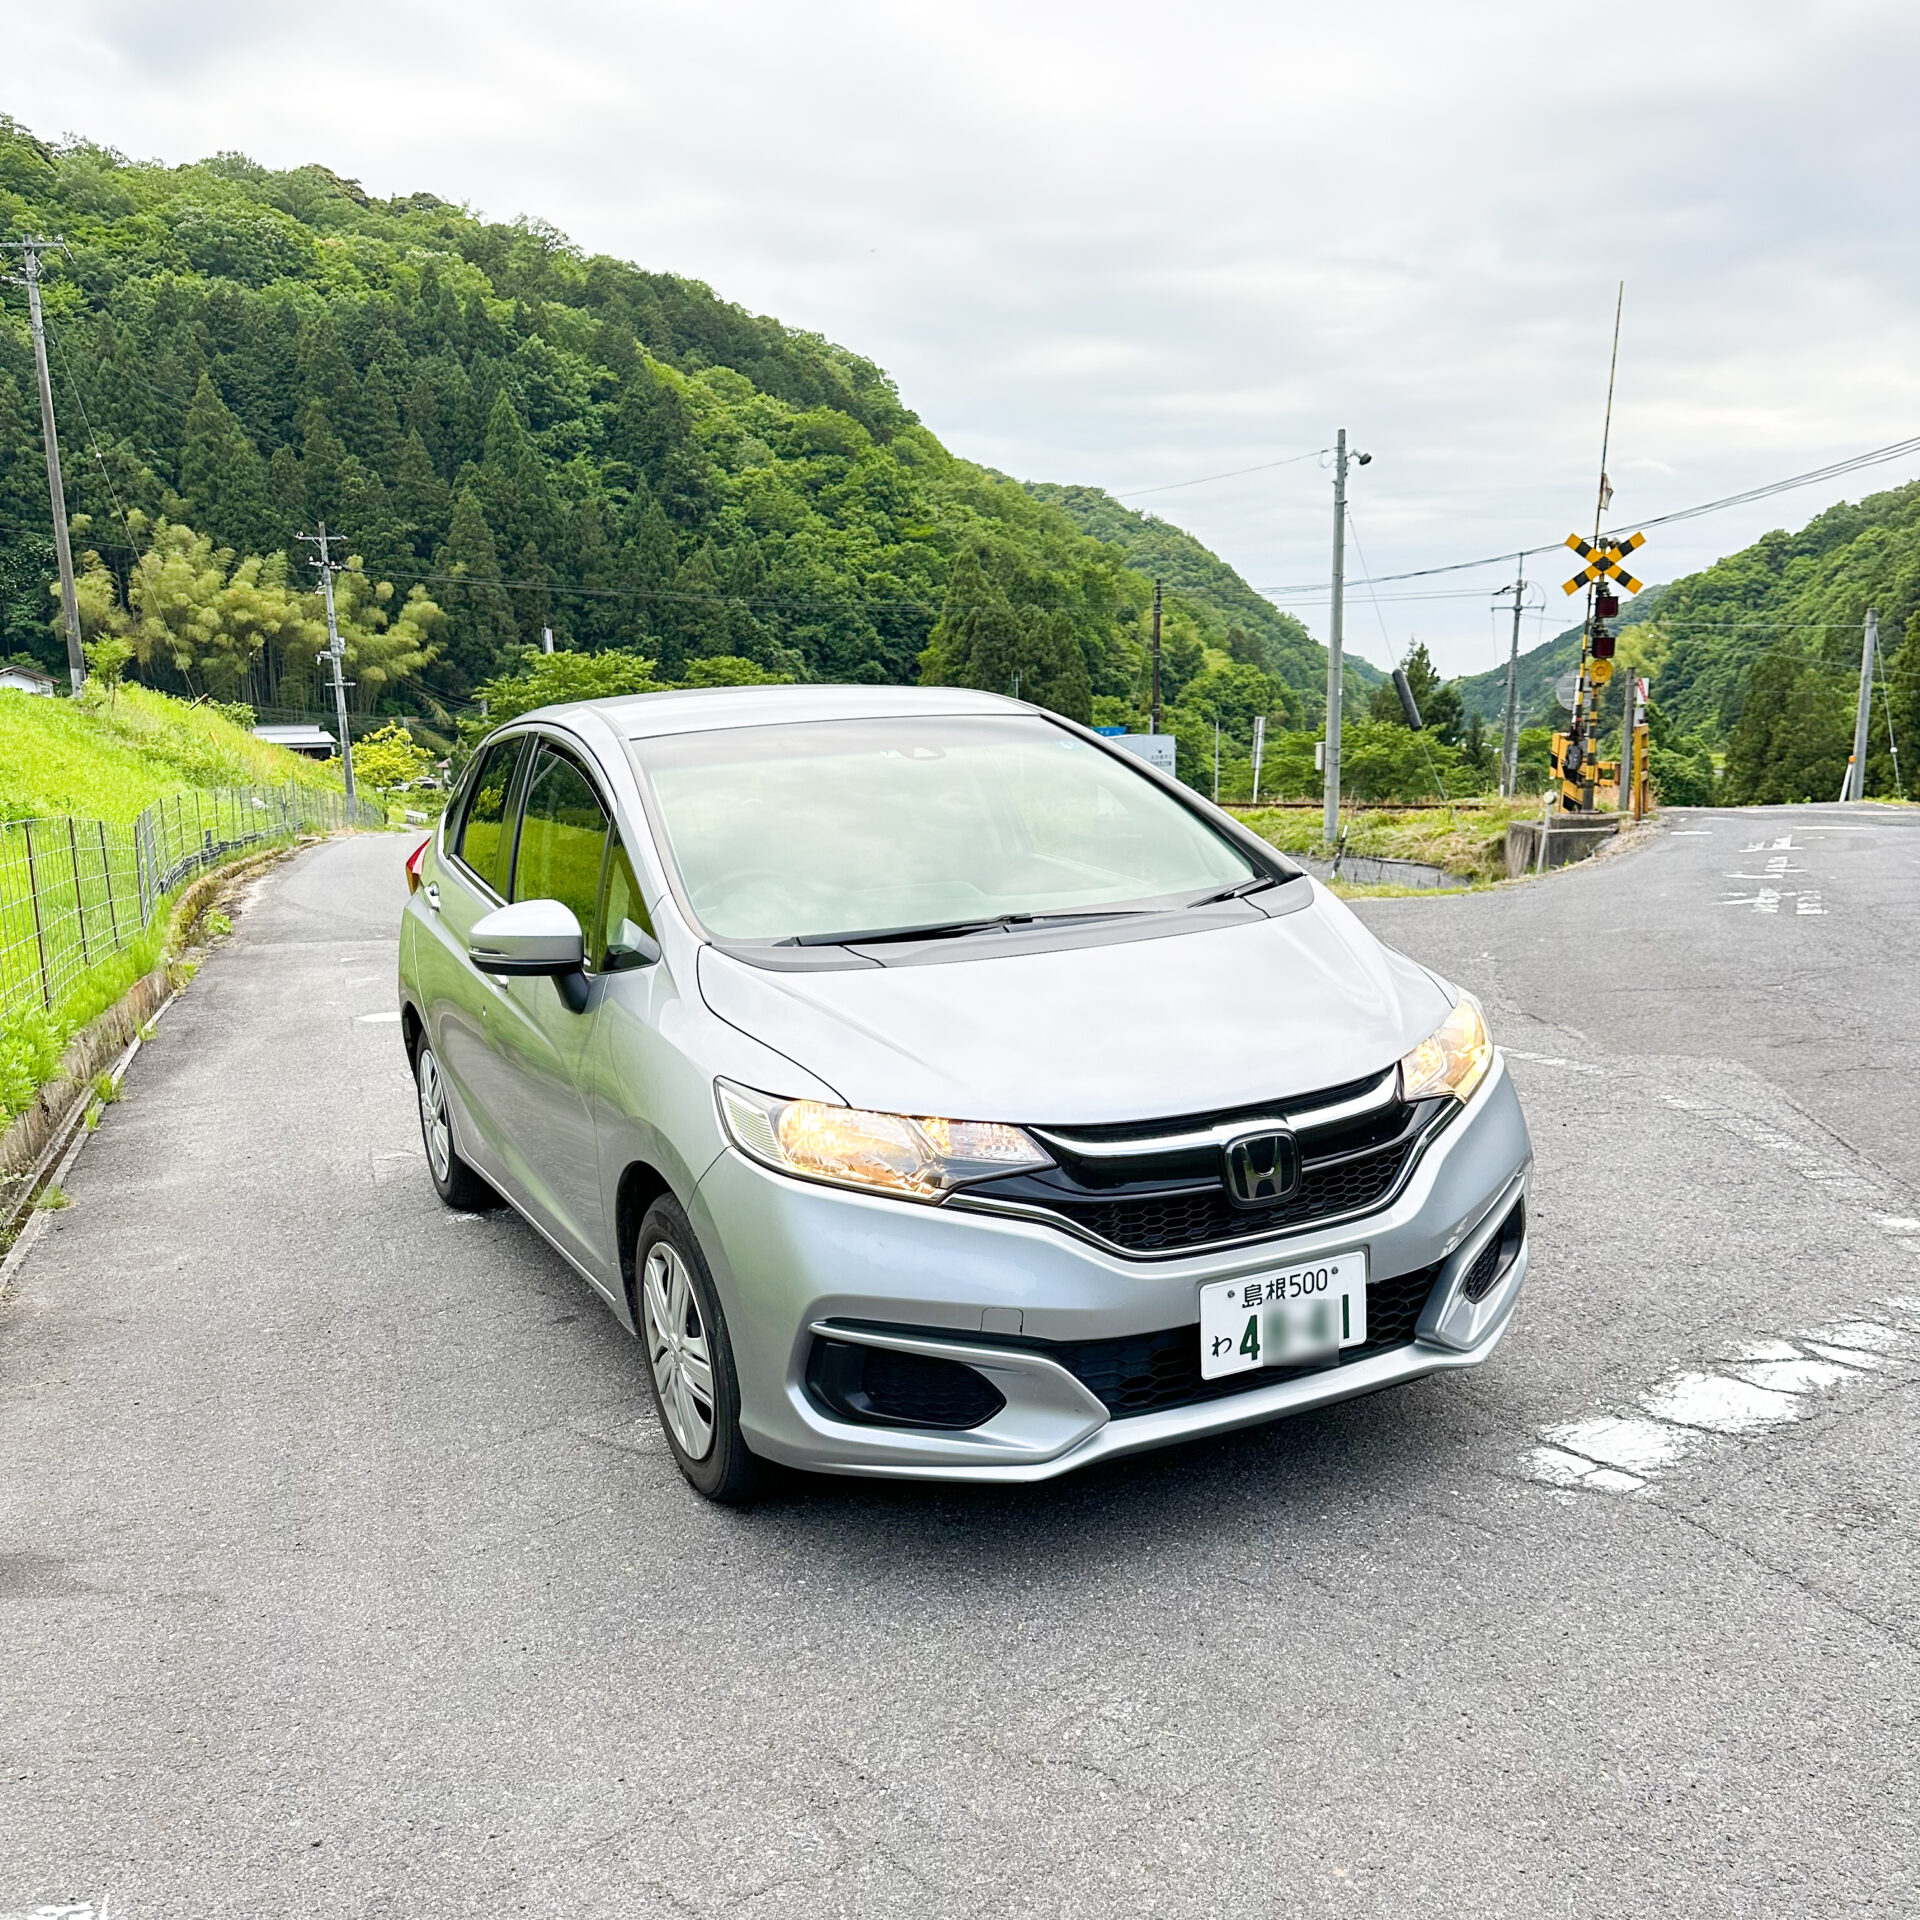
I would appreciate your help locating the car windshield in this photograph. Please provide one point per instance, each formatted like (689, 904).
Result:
(809, 830)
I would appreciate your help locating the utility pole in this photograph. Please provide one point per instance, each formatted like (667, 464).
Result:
(335, 655)
(1153, 711)
(29, 277)
(1583, 744)
(1336, 638)
(1863, 711)
(1510, 732)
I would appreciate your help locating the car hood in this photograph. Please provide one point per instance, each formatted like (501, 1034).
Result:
(1135, 1030)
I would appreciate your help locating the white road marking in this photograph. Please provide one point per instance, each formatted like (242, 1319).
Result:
(1767, 1350)
(1559, 1469)
(1763, 1384)
(1869, 1336)
(1808, 903)
(1793, 1376)
(372, 1019)
(1636, 1446)
(1767, 900)
(1716, 1403)
(1768, 1384)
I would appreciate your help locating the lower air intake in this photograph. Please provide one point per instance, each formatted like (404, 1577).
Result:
(1493, 1260)
(877, 1387)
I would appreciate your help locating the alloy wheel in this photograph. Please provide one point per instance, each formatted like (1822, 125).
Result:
(677, 1349)
(434, 1124)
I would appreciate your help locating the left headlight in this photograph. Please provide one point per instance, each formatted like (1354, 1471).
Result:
(915, 1157)
(1453, 1058)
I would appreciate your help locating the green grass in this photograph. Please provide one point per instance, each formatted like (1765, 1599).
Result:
(1467, 841)
(32, 1039)
(102, 759)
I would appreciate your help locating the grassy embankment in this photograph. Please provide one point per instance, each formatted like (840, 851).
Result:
(101, 759)
(1468, 840)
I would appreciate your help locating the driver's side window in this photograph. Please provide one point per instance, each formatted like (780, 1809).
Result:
(623, 934)
(563, 835)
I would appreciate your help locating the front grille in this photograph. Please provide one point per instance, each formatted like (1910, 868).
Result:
(1194, 1218)
(1144, 1373)
(876, 1386)
(1171, 1202)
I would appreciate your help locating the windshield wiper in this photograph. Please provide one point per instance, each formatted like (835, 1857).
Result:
(1239, 891)
(958, 929)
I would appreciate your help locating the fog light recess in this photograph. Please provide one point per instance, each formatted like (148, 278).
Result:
(881, 1387)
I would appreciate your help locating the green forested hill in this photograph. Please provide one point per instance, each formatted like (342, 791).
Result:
(1759, 653)
(1806, 593)
(522, 436)
(1179, 560)
(1486, 693)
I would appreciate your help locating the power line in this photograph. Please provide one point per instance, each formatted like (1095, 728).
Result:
(1875, 457)
(1207, 479)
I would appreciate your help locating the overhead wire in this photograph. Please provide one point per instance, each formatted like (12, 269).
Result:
(1207, 479)
(1875, 456)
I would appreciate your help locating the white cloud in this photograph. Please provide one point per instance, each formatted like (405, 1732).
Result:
(1126, 245)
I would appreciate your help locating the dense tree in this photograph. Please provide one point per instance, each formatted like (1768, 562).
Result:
(223, 480)
(236, 628)
(1439, 701)
(1793, 734)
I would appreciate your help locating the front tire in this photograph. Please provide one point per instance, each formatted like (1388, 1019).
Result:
(690, 1358)
(453, 1180)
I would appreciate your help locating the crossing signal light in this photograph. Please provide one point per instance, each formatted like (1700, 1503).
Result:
(1602, 648)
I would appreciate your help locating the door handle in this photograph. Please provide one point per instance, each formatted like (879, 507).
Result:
(432, 891)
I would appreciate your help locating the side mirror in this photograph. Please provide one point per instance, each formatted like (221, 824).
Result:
(531, 938)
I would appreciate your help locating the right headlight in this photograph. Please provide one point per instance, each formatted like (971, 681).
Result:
(911, 1157)
(1453, 1058)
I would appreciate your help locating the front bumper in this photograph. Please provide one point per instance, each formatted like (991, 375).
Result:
(792, 1259)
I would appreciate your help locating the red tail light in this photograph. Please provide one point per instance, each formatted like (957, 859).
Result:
(413, 864)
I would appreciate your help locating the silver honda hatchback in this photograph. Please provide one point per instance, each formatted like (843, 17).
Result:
(940, 1091)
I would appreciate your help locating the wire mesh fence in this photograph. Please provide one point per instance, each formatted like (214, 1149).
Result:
(75, 892)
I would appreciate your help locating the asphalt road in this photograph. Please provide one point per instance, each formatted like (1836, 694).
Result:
(342, 1571)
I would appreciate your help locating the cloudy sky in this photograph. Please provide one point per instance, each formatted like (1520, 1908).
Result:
(1138, 245)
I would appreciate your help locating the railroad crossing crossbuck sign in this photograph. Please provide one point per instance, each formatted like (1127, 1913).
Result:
(1604, 562)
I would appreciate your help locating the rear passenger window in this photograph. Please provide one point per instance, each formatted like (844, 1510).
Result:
(485, 839)
(563, 833)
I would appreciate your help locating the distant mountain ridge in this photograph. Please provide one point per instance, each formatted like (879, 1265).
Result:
(1170, 554)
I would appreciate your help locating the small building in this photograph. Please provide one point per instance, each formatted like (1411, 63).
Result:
(25, 679)
(315, 742)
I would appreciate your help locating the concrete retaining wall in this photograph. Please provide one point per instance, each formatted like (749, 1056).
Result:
(1570, 837)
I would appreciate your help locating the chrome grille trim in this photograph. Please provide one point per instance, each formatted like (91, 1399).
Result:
(1383, 1093)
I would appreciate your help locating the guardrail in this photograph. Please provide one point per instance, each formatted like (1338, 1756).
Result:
(75, 892)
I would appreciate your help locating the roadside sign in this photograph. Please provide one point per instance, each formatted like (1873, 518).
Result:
(1112, 733)
(1157, 749)
(1565, 688)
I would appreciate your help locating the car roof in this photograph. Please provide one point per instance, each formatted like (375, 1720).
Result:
(642, 716)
